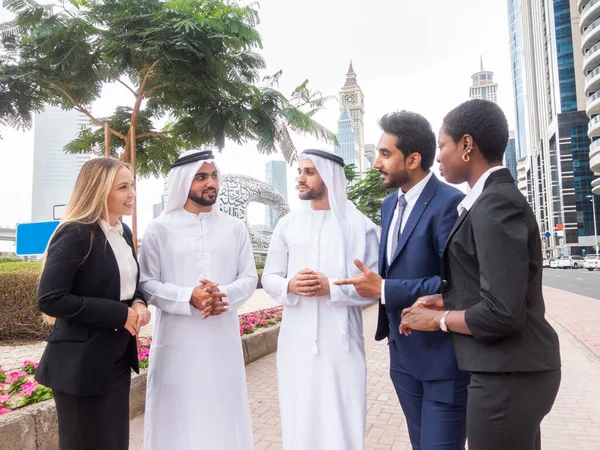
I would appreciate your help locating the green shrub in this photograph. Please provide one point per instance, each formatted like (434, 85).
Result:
(19, 315)
(260, 265)
(9, 258)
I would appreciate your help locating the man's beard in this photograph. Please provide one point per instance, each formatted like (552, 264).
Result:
(200, 200)
(395, 180)
(313, 194)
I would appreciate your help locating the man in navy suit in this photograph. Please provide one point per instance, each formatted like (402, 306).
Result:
(416, 222)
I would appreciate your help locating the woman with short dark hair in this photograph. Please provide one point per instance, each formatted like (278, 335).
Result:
(491, 300)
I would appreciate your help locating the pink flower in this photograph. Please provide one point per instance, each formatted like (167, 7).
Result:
(13, 377)
(4, 398)
(4, 410)
(29, 388)
(144, 354)
(1, 369)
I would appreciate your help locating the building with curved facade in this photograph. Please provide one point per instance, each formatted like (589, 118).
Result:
(556, 109)
(589, 25)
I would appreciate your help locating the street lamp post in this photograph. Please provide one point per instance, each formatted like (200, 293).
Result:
(594, 212)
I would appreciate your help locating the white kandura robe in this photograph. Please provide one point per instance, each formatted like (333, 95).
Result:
(321, 364)
(196, 393)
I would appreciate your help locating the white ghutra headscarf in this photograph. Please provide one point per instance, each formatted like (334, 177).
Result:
(181, 176)
(352, 223)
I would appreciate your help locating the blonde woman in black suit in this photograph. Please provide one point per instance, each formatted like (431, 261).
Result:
(491, 299)
(89, 285)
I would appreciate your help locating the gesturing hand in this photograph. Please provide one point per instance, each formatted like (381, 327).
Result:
(305, 283)
(367, 283)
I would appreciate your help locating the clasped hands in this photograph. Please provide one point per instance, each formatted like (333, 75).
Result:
(423, 315)
(208, 299)
(309, 283)
(138, 315)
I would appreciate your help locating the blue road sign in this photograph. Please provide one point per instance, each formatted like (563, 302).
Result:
(548, 234)
(33, 238)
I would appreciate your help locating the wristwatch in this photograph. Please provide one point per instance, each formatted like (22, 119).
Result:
(443, 326)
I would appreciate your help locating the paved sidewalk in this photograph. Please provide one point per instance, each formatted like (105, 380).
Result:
(577, 314)
(574, 422)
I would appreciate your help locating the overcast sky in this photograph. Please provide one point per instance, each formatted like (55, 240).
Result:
(407, 55)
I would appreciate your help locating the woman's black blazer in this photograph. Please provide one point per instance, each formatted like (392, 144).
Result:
(81, 288)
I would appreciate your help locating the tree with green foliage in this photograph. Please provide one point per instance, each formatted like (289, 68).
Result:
(191, 65)
(367, 194)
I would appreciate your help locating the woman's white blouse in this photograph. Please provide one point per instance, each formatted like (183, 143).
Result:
(128, 268)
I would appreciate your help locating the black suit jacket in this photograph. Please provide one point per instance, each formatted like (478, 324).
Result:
(83, 294)
(492, 268)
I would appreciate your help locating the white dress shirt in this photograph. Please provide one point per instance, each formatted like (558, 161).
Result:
(128, 269)
(470, 199)
(411, 197)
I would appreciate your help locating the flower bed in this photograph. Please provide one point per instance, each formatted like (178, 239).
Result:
(264, 318)
(18, 388)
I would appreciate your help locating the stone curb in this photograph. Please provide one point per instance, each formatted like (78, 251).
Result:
(35, 427)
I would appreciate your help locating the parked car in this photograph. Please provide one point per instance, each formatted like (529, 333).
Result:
(554, 263)
(546, 263)
(591, 262)
(571, 262)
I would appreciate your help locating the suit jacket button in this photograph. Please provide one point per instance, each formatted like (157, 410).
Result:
(444, 283)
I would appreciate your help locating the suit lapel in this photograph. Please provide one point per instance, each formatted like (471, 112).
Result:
(416, 213)
(385, 230)
(500, 176)
(457, 225)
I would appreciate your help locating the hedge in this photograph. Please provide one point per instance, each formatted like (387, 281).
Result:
(19, 315)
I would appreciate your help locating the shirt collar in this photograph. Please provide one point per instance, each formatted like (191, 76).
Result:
(107, 228)
(474, 194)
(413, 194)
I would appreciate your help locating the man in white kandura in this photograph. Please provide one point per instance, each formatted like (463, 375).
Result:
(193, 255)
(321, 365)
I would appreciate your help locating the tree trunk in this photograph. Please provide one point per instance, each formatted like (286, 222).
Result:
(132, 161)
(106, 141)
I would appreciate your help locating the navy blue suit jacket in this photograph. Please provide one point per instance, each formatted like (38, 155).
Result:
(413, 272)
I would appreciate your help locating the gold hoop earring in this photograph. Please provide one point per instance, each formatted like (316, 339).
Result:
(466, 157)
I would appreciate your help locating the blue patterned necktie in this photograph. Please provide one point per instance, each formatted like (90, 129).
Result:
(397, 225)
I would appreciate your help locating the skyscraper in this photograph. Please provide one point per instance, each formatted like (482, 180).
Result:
(484, 88)
(348, 143)
(276, 175)
(54, 171)
(515, 32)
(510, 155)
(351, 121)
(557, 125)
(590, 46)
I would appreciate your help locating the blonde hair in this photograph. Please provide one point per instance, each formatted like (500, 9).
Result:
(88, 203)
